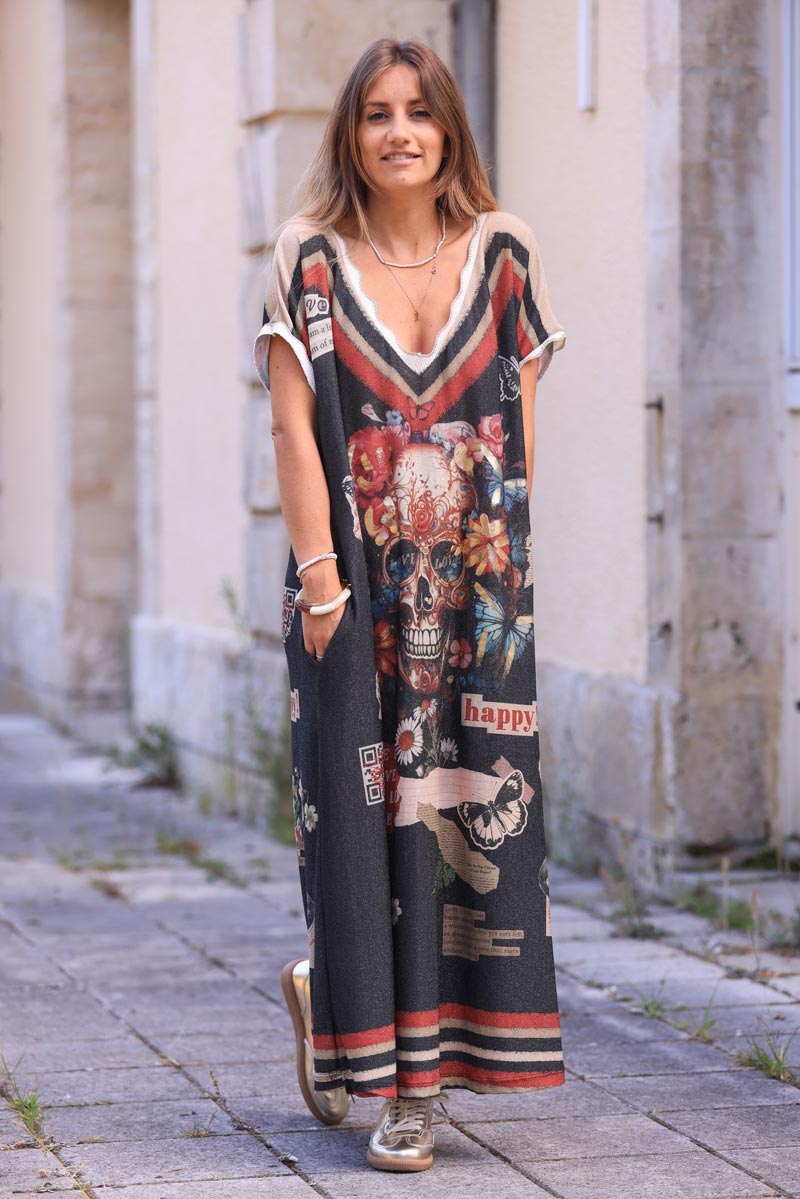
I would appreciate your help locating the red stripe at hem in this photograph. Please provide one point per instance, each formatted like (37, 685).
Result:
(454, 1011)
(354, 1040)
(462, 1011)
(547, 1078)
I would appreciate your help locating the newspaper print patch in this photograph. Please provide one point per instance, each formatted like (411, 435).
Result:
(318, 324)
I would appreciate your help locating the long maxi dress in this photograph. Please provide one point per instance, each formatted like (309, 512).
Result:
(415, 749)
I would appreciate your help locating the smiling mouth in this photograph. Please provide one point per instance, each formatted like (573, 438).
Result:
(399, 157)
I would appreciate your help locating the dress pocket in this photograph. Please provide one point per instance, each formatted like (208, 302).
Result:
(337, 636)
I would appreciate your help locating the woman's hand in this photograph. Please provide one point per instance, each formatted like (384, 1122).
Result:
(320, 583)
(318, 630)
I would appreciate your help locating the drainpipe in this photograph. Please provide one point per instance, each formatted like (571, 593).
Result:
(474, 25)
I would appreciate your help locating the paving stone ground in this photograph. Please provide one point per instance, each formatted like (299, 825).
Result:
(140, 1002)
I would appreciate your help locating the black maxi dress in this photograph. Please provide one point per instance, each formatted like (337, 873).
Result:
(415, 749)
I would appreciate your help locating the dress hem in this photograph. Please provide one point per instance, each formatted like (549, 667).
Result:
(552, 1079)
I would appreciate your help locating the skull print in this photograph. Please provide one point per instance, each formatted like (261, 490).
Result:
(424, 559)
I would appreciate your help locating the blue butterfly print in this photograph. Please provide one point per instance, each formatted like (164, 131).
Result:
(497, 631)
(518, 542)
(515, 491)
(507, 492)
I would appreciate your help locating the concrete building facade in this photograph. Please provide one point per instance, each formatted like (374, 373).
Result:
(148, 151)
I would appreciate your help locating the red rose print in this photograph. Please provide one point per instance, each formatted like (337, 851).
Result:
(370, 452)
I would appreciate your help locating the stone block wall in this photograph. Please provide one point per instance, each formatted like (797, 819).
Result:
(68, 649)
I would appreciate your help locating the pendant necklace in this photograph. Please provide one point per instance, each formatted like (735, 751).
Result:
(431, 258)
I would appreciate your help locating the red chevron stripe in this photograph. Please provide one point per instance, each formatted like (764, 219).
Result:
(420, 417)
(366, 370)
(452, 391)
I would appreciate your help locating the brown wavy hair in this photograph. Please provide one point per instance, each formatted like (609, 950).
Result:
(334, 186)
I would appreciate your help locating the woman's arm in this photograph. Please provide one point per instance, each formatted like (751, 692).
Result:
(303, 487)
(528, 377)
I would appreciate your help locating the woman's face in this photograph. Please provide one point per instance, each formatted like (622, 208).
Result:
(401, 143)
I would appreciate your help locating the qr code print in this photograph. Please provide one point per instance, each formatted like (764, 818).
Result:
(372, 771)
(287, 613)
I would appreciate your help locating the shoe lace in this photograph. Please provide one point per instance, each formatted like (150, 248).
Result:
(410, 1115)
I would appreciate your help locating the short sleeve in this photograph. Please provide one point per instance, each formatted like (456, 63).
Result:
(284, 310)
(539, 332)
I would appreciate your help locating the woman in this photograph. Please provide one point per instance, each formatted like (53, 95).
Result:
(405, 325)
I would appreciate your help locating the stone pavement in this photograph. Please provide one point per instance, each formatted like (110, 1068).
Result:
(140, 949)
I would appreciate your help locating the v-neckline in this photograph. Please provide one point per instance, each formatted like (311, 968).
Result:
(417, 361)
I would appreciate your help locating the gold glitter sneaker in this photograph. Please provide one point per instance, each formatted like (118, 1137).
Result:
(332, 1106)
(403, 1138)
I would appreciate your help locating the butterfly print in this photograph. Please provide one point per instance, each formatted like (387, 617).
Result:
(509, 378)
(498, 632)
(504, 815)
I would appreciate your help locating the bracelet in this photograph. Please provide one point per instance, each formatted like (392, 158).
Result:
(319, 558)
(321, 609)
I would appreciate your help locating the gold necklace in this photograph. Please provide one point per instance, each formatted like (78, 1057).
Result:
(416, 307)
(433, 257)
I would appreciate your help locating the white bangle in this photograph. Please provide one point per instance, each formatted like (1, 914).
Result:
(311, 561)
(321, 609)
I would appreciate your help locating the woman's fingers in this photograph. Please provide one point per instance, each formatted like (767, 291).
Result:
(318, 630)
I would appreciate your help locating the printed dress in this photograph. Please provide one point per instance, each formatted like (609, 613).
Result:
(415, 748)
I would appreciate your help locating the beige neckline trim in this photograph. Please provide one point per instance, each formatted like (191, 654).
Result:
(417, 361)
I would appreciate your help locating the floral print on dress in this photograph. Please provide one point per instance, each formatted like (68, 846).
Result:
(305, 813)
(446, 530)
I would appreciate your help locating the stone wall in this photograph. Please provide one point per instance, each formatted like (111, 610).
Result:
(728, 613)
(681, 764)
(83, 622)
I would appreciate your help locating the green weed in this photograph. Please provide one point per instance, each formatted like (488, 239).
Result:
(650, 1002)
(216, 868)
(185, 847)
(769, 1056)
(154, 752)
(108, 887)
(782, 932)
(203, 1130)
(192, 850)
(28, 1106)
(704, 1030)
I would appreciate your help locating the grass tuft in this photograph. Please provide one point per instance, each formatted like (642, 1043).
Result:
(154, 752)
(108, 887)
(769, 1055)
(28, 1106)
